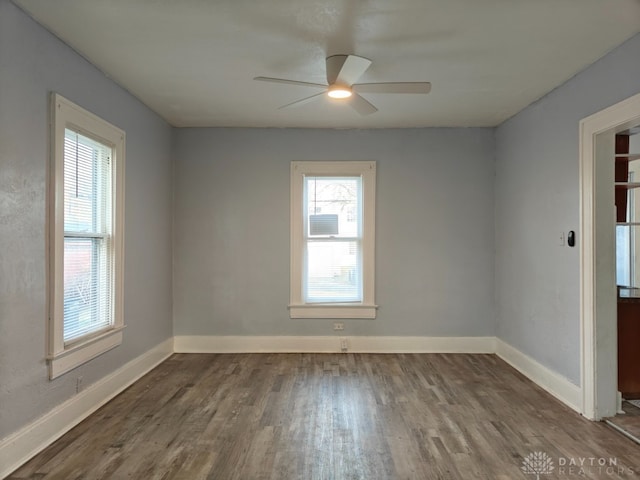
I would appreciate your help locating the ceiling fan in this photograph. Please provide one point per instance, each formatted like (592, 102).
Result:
(343, 71)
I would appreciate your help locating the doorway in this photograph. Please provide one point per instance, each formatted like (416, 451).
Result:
(627, 200)
(598, 293)
(627, 203)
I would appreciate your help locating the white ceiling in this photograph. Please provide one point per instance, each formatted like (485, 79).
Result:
(193, 61)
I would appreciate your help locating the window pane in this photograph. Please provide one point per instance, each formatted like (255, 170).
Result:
(86, 184)
(86, 287)
(333, 206)
(623, 255)
(333, 271)
(333, 267)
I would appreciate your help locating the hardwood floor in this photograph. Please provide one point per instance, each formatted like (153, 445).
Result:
(332, 416)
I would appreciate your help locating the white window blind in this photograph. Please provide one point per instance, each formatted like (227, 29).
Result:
(333, 239)
(88, 265)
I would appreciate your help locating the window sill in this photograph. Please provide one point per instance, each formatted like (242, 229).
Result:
(84, 351)
(335, 310)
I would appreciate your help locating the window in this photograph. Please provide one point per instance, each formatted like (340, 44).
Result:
(86, 244)
(627, 174)
(626, 242)
(332, 239)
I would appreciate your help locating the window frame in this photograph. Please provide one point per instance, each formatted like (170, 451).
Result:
(65, 357)
(298, 308)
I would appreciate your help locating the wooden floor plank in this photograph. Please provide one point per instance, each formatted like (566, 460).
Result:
(329, 417)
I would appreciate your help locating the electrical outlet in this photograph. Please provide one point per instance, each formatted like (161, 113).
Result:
(78, 384)
(338, 326)
(344, 345)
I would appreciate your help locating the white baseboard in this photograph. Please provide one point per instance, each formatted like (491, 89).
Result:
(329, 344)
(20, 446)
(557, 385)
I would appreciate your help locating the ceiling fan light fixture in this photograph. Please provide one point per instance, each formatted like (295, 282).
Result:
(343, 73)
(337, 91)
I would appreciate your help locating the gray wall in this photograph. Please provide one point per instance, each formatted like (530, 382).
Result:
(33, 63)
(434, 242)
(536, 197)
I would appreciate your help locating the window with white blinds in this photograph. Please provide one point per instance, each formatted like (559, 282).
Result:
(332, 240)
(88, 265)
(87, 238)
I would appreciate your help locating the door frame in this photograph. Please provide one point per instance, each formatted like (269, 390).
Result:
(598, 322)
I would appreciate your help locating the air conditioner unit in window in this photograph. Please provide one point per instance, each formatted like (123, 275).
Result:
(323, 224)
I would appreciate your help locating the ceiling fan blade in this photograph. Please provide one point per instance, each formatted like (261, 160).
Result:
(346, 69)
(362, 106)
(302, 101)
(393, 87)
(289, 82)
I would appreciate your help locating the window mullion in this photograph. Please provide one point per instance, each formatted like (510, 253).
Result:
(333, 239)
(85, 235)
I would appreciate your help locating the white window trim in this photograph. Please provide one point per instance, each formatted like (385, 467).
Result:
(297, 306)
(63, 358)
